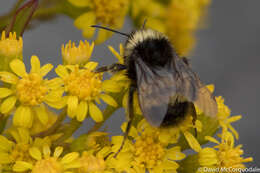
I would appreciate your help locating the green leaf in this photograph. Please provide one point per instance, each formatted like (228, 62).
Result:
(189, 165)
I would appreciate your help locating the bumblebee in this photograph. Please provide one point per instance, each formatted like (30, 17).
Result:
(166, 86)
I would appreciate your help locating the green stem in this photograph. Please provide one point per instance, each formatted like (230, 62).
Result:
(55, 126)
(68, 131)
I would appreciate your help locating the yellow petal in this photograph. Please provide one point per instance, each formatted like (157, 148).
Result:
(54, 96)
(42, 114)
(192, 141)
(23, 117)
(88, 32)
(68, 158)
(111, 86)
(72, 106)
(91, 65)
(35, 64)
(35, 153)
(46, 69)
(58, 151)
(8, 105)
(8, 77)
(81, 3)
(4, 92)
(175, 153)
(95, 112)
(117, 55)
(85, 21)
(5, 144)
(21, 166)
(18, 67)
(82, 110)
(46, 151)
(211, 139)
(109, 100)
(234, 118)
(103, 35)
(59, 104)
(5, 158)
(62, 71)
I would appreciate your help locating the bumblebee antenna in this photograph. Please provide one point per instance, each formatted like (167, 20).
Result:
(108, 29)
(145, 20)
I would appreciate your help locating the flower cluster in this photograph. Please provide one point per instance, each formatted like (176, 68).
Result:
(36, 138)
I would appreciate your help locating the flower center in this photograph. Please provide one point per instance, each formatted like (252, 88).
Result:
(30, 89)
(148, 151)
(20, 152)
(107, 12)
(91, 163)
(49, 165)
(84, 84)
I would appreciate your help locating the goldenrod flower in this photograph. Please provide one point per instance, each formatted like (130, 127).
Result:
(84, 88)
(226, 155)
(30, 90)
(92, 164)
(72, 54)
(108, 13)
(47, 163)
(147, 151)
(151, 10)
(10, 48)
(224, 116)
(183, 19)
(18, 149)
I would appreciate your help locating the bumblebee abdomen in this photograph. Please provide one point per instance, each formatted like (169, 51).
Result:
(177, 112)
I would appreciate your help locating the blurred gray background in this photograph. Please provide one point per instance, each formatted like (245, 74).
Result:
(227, 54)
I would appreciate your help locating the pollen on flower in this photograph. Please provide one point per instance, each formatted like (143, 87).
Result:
(30, 90)
(107, 12)
(90, 163)
(73, 54)
(84, 84)
(48, 165)
(11, 46)
(148, 150)
(20, 152)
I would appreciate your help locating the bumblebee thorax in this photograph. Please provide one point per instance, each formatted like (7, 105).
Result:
(151, 46)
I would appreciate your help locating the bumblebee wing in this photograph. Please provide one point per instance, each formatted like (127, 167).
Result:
(155, 88)
(190, 86)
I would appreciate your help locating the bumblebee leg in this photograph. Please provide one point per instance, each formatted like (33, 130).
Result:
(113, 68)
(130, 105)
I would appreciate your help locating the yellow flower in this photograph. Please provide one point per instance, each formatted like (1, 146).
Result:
(226, 155)
(108, 13)
(84, 88)
(47, 163)
(18, 149)
(71, 54)
(224, 116)
(10, 48)
(183, 19)
(153, 11)
(148, 151)
(171, 135)
(91, 163)
(30, 90)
